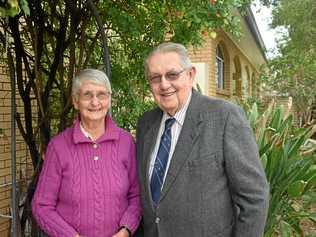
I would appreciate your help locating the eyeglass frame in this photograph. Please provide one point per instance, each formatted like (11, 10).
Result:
(156, 79)
(88, 96)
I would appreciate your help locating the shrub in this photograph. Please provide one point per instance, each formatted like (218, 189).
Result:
(288, 157)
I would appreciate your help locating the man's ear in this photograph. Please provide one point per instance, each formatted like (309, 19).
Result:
(193, 72)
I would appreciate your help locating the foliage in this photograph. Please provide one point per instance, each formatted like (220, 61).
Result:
(13, 7)
(288, 157)
(137, 27)
(293, 70)
(58, 38)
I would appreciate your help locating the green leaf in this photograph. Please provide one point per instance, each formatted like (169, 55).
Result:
(25, 7)
(276, 119)
(253, 116)
(264, 160)
(13, 11)
(286, 229)
(296, 188)
(312, 217)
(311, 182)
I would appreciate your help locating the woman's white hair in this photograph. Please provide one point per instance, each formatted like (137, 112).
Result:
(92, 75)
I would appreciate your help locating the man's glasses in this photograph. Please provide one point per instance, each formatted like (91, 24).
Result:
(169, 76)
(88, 95)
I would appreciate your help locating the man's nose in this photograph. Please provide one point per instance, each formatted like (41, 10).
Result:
(164, 83)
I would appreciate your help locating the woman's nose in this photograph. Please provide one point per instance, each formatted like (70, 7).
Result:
(94, 100)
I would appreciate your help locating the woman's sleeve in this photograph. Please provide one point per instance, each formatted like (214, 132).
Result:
(132, 215)
(46, 196)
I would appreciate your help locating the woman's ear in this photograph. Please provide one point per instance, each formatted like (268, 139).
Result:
(75, 102)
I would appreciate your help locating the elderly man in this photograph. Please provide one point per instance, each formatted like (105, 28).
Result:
(198, 162)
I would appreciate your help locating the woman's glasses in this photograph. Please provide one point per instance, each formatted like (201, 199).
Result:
(88, 95)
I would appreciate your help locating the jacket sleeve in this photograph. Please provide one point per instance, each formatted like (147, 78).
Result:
(132, 215)
(46, 196)
(247, 180)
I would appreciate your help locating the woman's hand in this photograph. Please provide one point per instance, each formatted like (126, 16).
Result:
(121, 233)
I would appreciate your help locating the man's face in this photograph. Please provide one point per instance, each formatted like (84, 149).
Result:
(170, 83)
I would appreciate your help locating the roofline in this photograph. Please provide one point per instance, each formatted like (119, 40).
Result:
(251, 22)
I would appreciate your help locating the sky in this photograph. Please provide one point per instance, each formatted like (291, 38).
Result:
(263, 18)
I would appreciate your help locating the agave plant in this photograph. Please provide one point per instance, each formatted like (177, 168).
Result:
(288, 157)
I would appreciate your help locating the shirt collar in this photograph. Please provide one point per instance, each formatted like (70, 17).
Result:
(179, 115)
(111, 132)
(85, 132)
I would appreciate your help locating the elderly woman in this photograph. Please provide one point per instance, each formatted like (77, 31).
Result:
(88, 185)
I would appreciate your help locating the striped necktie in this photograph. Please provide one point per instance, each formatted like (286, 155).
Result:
(161, 161)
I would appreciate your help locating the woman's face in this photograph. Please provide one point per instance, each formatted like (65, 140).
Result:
(92, 102)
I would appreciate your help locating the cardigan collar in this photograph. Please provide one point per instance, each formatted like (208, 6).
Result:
(111, 132)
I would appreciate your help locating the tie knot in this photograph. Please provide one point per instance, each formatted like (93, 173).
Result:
(169, 123)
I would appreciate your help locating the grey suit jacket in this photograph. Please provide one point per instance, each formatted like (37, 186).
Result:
(215, 185)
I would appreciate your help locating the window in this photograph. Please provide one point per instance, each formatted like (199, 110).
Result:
(247, 83)
(219, 68)
(253, 85)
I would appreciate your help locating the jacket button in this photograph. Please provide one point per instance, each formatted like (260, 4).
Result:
(157, 220)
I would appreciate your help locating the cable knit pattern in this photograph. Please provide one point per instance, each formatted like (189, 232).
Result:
(88, 188)
(99, 210)
(75, 190)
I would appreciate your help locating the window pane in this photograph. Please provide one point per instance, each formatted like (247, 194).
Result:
(219, 69)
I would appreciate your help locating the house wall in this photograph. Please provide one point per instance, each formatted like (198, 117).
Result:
(23, 162)
(247, 43)
(240, 71)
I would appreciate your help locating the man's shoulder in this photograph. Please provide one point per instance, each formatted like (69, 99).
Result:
(211, 104)
(221, 111)
(150, 115)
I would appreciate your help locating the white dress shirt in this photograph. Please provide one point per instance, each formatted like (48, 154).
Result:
(175, 132)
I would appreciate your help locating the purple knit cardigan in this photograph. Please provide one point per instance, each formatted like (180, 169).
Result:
(89, 188)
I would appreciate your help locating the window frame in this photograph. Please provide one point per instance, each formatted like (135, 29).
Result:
(220, 69)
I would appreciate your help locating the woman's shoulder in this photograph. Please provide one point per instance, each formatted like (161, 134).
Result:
(115, 129)
(62, 138)
(125, 135)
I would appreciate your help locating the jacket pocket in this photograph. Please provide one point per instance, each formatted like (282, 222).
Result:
(206, 159)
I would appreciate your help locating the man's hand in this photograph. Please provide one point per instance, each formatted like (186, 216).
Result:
(121, 233)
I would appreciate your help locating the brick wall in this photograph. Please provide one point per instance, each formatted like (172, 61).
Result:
(23, 162)
(207, 54)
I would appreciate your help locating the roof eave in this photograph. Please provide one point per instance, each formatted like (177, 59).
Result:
(251, 22)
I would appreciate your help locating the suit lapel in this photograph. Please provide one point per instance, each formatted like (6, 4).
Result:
(186, 140)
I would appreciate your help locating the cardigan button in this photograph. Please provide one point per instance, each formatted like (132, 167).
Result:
(157, 220)
(95, 145)
(95, 158)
